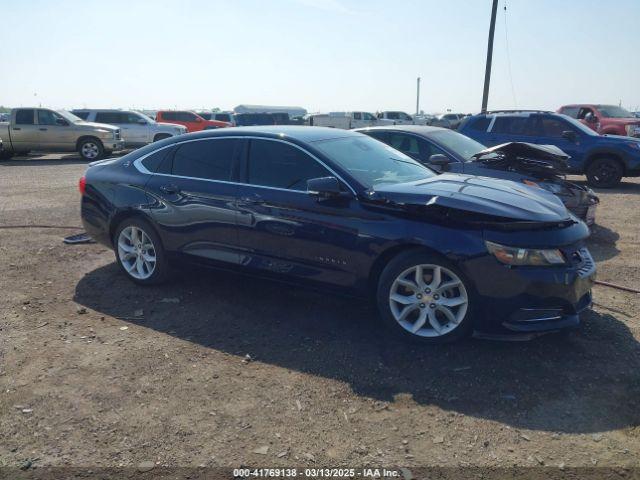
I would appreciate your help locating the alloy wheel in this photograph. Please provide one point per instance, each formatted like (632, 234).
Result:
(428, 300)
(136, 252)
(90, 150)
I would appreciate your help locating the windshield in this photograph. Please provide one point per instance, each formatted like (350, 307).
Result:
(612, 111)
(371, 162)
(69, 116)
(459, 144)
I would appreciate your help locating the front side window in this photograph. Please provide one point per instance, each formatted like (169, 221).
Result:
(206, 159)
(357, 116)
(168, 116)
(81, 115)
(480, 124)
(371, 162)
(553, 127)
(393, 115)
(223, 117)
(24, 117)
(279, 165)
(130, 117)
(407, 144)
(47, 117)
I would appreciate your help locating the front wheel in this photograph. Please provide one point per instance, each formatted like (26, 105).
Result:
(139, 252)
(91, 149)
(604, 173)
(423, 298)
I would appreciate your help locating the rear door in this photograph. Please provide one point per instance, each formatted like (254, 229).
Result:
(285, 230)
(24, 130)
(511, 128)
(194, 198)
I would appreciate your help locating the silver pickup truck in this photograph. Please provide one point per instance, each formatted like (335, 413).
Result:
(57, 131)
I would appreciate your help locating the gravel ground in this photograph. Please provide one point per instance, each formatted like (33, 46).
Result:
(223, 370)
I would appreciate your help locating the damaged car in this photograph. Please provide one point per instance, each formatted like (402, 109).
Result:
(442, 256)
(542, 166)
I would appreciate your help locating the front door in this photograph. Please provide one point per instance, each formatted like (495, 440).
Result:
(55, 131)
(193, 198)
(285, 230)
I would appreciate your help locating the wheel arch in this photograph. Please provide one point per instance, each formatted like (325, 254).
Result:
(596, 155)
(389, 254)
(87, 137)
(123, 215)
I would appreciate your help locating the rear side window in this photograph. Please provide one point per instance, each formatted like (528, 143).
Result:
(24, 117)
(223, 117)
(279, 165)
(512, 126)
(185, 116)
(206, 159)
(109, 117)
(155, 162)
(82, 115)
(167, 115)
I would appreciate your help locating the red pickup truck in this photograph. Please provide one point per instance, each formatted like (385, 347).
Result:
(604, 119)
(191, 120)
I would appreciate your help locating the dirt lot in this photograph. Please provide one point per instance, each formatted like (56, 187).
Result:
(225, 370)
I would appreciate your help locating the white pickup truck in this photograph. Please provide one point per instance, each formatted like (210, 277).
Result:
(395, 118)
(49, 130)
(344, 120)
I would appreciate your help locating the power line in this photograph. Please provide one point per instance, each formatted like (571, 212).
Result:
(506, 41)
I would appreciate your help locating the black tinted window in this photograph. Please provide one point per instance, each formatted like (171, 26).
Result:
(82, 115)
(185, 116)
(407, 144)
(154, 161)
(169, 116)
(223, 117)
(512, 126)
(109, 117)
(276, 164)
(393, 115)
(208, 159)
(553, 127)
(481, 124)
(24, 117)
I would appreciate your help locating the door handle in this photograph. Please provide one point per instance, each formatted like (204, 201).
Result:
(17, 128)
(43, 129)
(252, 200)
(169, 189)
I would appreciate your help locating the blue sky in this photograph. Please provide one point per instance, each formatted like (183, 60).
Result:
(320, 54)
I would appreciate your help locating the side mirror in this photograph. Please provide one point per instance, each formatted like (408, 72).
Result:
(142, 122)
(439, 160)
(569, 135)
(62, 122)
(324, 187)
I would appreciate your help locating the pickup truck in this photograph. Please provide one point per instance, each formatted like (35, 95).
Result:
(57, 131)
(604, 119)
(396, 118)
(344, 120)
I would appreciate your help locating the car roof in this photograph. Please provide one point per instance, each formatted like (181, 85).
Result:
(419, 129)
(293, 132)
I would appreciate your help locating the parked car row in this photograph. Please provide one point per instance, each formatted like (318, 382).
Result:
(443, 254)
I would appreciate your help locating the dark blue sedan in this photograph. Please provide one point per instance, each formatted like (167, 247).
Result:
(442, 255)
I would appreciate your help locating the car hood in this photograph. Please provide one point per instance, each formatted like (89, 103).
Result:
(623, 121)
(528, 158)
(482, 195)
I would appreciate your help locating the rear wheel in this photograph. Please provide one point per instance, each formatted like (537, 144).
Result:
(139, 252)
(424, 298)
(91, 149)
(604, 173)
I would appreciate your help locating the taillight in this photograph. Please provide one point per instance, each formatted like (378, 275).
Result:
(82, 185)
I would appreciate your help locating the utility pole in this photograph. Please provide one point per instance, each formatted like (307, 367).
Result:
(418, 97)
(487, 71)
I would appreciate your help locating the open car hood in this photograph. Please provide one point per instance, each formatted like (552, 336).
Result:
(488, 197)
(544, 160)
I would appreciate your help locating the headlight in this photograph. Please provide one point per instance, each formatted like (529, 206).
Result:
(525, 256)
(548, 186)
(632, 130)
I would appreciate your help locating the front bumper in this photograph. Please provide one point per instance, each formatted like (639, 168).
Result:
(113, 145)
(531, 300)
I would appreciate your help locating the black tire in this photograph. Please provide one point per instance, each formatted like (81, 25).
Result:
(6, 155)
(91, 149)
(161, 136)
(161, 270)
(406, 261)
(604, 173)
